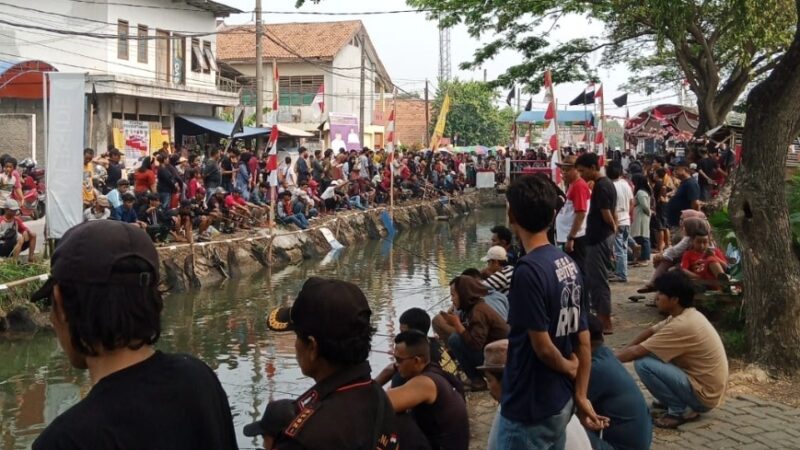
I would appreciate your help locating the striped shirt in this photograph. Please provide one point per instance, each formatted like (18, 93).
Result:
(500, 280)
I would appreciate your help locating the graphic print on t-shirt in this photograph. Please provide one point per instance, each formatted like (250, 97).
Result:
(570, 312)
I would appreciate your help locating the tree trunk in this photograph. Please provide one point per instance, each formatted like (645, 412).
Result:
(760, 217)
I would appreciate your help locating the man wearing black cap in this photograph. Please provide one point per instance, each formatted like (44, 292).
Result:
(105, 307)
(345, 409)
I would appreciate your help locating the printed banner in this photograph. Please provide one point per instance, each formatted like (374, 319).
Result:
(136, 136)
(344, 132)
(64, 159)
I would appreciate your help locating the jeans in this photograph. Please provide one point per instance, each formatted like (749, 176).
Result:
(669, 385)
(467, 357)
(621, 251)
(645, 243)
(547, 434)
(297, 219)
(166, 200)
(355, 201)
(598, 256)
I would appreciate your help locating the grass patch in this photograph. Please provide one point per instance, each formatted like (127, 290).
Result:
(11, 271)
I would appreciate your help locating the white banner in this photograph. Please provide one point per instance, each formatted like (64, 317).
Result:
(64, 161)
(137, 140)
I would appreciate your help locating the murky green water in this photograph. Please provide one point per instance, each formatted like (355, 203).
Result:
(224, 325)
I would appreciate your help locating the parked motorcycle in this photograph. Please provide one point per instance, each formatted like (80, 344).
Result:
(34, 190)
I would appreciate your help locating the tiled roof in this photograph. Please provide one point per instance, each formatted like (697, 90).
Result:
(318, 40)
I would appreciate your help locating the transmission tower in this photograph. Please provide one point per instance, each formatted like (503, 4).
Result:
(444, 54)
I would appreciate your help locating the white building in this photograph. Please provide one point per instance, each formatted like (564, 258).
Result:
(307, 56)
(148, 61)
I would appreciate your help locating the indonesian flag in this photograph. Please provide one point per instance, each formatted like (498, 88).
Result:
(272, 156)
(599, 137)
(275, 96)
(390, 138)
(319, 99)
(550, 135)
(599, 92)
(550, 113)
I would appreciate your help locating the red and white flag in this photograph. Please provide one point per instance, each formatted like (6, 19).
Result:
(550, 135)
(390, 138)
(319, 99)
(275, 95)
(272, 156)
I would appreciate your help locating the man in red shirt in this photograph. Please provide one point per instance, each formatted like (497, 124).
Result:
(571, 219)
(15, 237)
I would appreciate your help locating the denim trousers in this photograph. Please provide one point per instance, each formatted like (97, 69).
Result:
(645, 243)
(166, 199)
(547, 434)
(467, 357)
(669, 385)
(621, 251)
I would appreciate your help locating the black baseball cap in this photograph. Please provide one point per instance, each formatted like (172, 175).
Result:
(87, 253)
(325, 307)
(276, 418)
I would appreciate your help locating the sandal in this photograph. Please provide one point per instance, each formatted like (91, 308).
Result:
(646, 289)
(636, 298)
(672, 422)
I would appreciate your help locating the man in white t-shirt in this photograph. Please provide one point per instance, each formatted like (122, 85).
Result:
(623, 213)
(571, 219)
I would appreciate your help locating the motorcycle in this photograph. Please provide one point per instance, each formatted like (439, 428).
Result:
(34, 190)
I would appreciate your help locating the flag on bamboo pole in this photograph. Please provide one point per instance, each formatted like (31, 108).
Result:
(272, 156)
(584, 98)
(390, 139)
(319, 99)
(511, 94)
(275, 95)
(438, 132)
(599, 137)
(622, 100)
(529, 106)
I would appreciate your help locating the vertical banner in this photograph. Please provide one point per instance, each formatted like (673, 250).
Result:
(438, 132)
(136, 137)
(64, 176)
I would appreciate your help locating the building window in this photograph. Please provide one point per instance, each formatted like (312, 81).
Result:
(142, 44)
(212, 61)
(199, 63)
(299, 90)
(122, 41)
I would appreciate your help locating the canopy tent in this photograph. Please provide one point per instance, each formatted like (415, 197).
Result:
(662, 122)
(565, 118)
(23, 79)
(221, 127)
(477, 149)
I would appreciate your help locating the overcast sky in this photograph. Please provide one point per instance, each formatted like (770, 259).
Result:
(408, 45)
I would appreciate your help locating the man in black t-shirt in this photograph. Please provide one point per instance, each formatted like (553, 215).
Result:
(706, 169)
(687, 196)
(601, 227)
(105, 309)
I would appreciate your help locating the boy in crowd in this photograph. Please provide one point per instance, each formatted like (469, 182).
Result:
(681, 360)
(15, 236)
(105, 307)
(412, 319)
(704, 263)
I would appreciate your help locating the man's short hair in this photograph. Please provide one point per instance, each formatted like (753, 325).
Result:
(588, 160)
(416, 343)
(675, 283)
(114, 152)
(533, 201)
(214, 152)
(88, 151)
(659, 159)
(502, 232)
(699, 232)
(614, 170)
(472, 272)
(416, 319)
(128, 197)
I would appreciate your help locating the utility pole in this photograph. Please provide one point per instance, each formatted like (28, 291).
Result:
(259, 74)
(484, 75)
(361, 97)
(427, 119)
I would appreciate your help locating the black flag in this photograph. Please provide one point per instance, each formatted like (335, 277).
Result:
(529, 106)
(585, 98)
(511, 95)
(238, 126)
(622, 100)
(94, 100)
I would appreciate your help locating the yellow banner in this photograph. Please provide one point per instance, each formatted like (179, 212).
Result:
(440, 123)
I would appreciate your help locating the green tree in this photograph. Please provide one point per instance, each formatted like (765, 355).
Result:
(663, 42)
(474, 118)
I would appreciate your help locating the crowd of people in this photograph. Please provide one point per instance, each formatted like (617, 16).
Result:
(528, 327)
(174, 195)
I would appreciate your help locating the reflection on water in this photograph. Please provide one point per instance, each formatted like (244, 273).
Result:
(224, 325)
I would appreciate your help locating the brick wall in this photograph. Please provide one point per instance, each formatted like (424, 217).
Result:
(410, 125)
(17, 135)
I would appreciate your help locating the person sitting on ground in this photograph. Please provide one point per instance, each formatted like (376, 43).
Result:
(331, 321)
(127, 212)
(691, 222)
(494, 357)
(497, 300)
(475, 325)
(502, 236)
(680, 360)
(238, 208)
(285, 212)
(115, 195)
(412, 319)
(192, 217)
(430, 394)
(354, 193)
(15, 236)
(100, 209)
(159, 223)
(105, 306)
(704, 263)
(260, 196)
(614, 394)
(497, 273)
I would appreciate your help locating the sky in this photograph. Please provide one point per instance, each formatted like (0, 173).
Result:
(408, 45)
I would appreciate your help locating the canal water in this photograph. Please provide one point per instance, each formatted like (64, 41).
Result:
(225, 325)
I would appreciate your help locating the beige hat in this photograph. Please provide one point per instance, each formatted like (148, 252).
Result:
(496, 253)
(102, 200)
(494, 355)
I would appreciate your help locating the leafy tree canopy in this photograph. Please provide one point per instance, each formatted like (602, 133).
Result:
(474, 117)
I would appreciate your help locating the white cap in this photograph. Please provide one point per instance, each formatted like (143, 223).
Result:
(496, 253)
